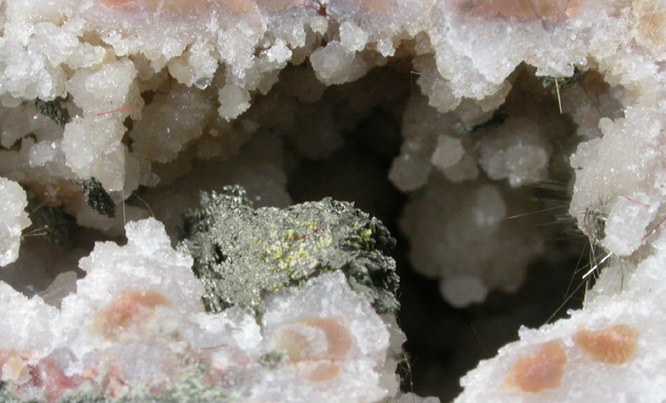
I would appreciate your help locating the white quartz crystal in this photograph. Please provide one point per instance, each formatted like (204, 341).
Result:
(449, 152)
(106, 90)
(353, 37)
(336, 344)
(459, 234)
(335, 64)
(233, 101)
(14, 219)
(463, 290)
(159, 139)
(517, 152)
(613, 341)
(137, 318)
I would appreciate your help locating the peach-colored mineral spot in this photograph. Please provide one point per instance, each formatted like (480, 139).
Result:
(526, 9)
(302, 342)
(538, 370)
(15, 369)
(651, 29)
(49, 376)
(113, 382)
(613, 345)
(128, 310)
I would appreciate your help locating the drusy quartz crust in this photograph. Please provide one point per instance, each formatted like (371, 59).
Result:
(473, 125)
(135, 330)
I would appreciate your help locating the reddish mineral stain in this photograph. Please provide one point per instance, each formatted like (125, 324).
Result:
(128, 309)
(324, 372)
(300, 347)
(55, 382)
(613, 345)
(337, 334)
(538, 370)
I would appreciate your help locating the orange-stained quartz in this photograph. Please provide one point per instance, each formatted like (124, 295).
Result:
(337, 334)
(49, 376)
(127, 310)
(16, 370)
(324, 372)
(613, 345)
(538, 370)
(527, 9)
(296, 342)
(46, 374)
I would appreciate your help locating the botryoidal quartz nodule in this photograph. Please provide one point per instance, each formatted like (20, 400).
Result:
(241, 252)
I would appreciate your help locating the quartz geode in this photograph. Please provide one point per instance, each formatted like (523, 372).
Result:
(490, 97)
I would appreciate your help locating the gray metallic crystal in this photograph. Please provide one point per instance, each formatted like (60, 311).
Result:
(241, 253)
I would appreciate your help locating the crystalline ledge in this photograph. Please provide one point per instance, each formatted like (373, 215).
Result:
(130, 108)
(13, 219)
(136, 329)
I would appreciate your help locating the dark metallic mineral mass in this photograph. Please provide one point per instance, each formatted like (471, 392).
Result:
(240, 253)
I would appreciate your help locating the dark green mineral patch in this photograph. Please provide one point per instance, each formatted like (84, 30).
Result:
(241, 253)
(54, 110)
(97, 198)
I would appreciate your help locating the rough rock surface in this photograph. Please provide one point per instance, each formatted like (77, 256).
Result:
(146, 94)
(135, 329)
(241, 253)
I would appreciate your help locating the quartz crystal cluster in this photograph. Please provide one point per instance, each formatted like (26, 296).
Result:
(136, 330)
(112, 111)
